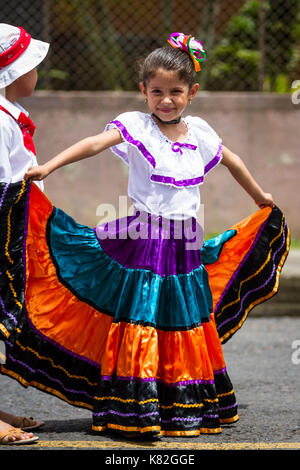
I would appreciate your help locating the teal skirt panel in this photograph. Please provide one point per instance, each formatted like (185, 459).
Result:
(132, 295)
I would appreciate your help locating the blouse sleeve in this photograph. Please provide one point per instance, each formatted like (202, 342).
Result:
(210, 144)
(132, 128)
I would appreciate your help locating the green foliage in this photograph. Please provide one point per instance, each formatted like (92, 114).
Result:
(84, 29)
(91, 48)
(236, 61)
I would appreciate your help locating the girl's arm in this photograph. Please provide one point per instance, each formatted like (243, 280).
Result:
(240, 172)
(83, 149)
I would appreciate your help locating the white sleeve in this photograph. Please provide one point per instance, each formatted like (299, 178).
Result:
(121, 124)
(136, 136)
(5, 149)
(210, 144)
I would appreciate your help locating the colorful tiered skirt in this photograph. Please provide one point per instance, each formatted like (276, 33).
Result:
(123, 319)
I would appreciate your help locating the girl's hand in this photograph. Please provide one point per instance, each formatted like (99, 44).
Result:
(265, 200)
(36, 173)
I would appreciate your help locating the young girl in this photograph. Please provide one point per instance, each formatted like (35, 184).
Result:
(129, 321)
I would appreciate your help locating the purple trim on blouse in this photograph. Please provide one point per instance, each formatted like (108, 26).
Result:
(192, 181)
(137, 143)
(215, 160)
(176, 147)
(178, 183)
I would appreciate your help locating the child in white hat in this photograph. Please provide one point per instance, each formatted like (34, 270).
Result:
(20, 54)
(19, 57)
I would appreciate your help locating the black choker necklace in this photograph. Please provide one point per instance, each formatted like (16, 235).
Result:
(175, 121)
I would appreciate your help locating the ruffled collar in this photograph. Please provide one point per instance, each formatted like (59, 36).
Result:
(179, 164)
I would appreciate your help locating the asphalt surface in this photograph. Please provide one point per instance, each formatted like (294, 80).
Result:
(263, 361)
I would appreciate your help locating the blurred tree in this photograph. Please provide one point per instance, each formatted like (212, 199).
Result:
(85, 28)
(97, 44)
(244, 60)
(207, 32)
(282, 24)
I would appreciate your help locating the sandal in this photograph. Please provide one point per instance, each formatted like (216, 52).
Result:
(26, 423)
(14, 436)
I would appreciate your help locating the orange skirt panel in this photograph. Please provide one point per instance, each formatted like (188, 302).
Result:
(233, 252)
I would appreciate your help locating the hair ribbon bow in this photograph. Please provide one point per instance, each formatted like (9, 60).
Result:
(189, 44)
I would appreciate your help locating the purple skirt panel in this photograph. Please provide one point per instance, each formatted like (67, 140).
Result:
(147, 241)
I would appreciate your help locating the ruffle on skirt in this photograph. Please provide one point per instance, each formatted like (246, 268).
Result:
(130, 327)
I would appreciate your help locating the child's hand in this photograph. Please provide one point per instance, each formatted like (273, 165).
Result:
(36, 173)
(265, 200)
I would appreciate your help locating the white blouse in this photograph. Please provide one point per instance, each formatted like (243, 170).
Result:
(15, 158)
(164, 176)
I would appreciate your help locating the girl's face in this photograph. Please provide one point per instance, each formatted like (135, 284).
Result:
(167, 95)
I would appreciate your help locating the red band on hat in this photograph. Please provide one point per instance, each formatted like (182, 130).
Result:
(16, 49)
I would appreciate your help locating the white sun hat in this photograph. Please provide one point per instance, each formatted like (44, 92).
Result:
(19, 53)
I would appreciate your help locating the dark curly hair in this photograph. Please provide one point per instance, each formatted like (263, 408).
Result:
(168, 58)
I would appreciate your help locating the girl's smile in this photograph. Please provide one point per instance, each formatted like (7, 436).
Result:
(167, 95)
